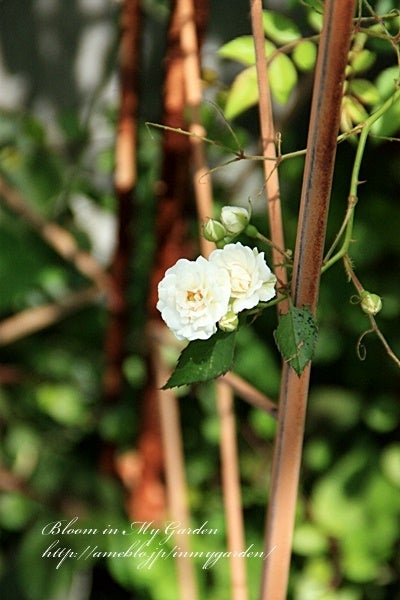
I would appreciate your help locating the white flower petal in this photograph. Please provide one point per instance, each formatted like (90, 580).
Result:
(193, 296)
(251, 279)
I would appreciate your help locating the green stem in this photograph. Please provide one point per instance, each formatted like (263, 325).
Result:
(354, 177)
(268, 242)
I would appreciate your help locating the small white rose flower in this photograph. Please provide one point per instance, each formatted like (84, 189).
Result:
(251, 279)
(193, 297)
(234, 219)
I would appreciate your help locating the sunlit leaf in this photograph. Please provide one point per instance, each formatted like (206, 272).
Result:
(304, 55)
(352, 113)
(202, 360)
(388, 124)
(295, 336)
(282, 78)
(15, 510)
(242, 50)
(364, 90)
(308, 540)
(279, 28)
(391, 463)
(315, 15)
(361, 61)
(63, 403)
(243, 93)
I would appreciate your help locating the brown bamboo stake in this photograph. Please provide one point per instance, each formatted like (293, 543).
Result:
(125, 178)
(201, 178)
(231, 487)
(171, 239)
(268, 145)
(203, 192)
(174, 469)
(317, 182)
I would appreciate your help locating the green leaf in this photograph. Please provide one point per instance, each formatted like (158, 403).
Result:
(308, 540)
(390, 462)
(202, 360)
(243, 93)
(363, 60)
(304, 55)
(242, 50)
(295, 336)
(365, 91)
(282, 78)
(63, 402)
(386, 82)
(279, 28)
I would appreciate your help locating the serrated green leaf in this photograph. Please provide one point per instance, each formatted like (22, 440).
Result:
(304, 55)
(282, 78)
(364, 90)
(279, 28)
(242, 50)
(203, 360)
(243, 93)
(295, 336)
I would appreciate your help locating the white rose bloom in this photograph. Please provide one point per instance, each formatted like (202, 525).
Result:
(193, 296)
(251, 279)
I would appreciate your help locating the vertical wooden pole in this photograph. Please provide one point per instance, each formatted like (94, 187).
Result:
(268, 145)
(317, 182)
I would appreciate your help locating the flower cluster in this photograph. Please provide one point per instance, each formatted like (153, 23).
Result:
(195, 297)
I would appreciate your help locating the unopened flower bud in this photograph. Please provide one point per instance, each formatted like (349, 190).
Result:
(371, 304)
(235, 219)
(214, 231)
(229, 322)
(251, 231)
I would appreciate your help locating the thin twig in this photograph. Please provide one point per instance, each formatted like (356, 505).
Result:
(374, 326)
(250, 394)
(37, 318)
(58, 238)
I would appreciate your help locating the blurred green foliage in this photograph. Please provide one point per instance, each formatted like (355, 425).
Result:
(53, 424)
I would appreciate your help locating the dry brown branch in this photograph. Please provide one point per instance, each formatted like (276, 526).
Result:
(37, 318)
(56, 237)
(250, 394)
